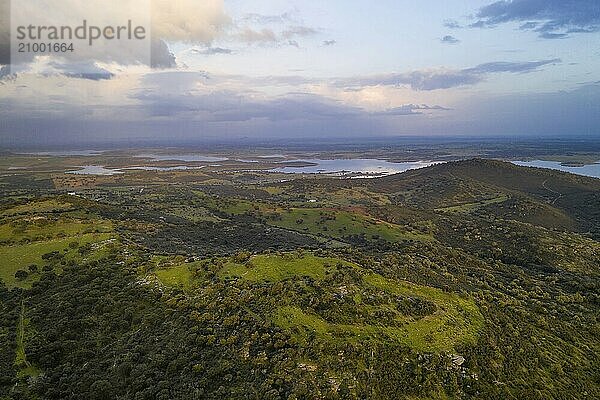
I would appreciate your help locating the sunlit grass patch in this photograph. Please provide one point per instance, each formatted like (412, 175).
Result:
(19, 257)
(274, 268)
(176, 276)
(340, 224)
(40, 228)
(34, 207)
(336, 223)
(24, 333)
(455, 321)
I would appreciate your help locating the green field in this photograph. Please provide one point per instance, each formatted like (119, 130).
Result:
(24, 333)
(29, 231)
(456, 321)
(42, 229)
(275, 268)
(44, 206)
(18, 257)
(179, 275)
(340, 224)
(325, 222)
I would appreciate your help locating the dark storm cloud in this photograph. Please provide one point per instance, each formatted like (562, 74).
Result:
(161, 56)
(573, 112)
(552, 19)
(161, 98)
(227, 106)
(445, 79)
(223, 115)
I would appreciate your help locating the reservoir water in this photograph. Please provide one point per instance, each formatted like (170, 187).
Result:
(592, 170)
(94, 170)
(356, 165)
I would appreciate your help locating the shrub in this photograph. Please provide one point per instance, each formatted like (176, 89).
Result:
(21, 275)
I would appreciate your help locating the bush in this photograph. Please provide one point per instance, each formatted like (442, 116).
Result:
(21, 275)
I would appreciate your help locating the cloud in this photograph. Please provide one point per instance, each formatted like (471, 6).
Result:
(235, 106)
(170, 105)
(192, 21)
(298, 31)
(271, 30)
(48, 66)
(196, 96)
(528, 25)
(550, 35)
(261, 19)
(552, 19)
(411, 109)
(176, 97)
(212, 51)
(161, 56)
(513, 67)
(329, 42)
(267, 36)
(568, 113)
(444, 79)
(189, 21)
(452, 24)
(80, 70)
(5, 74)
(262, 36)
(448, 39)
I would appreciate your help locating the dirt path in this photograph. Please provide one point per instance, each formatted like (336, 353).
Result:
(552, 191)
(21, 359)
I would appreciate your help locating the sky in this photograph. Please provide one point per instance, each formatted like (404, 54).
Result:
(313, 69)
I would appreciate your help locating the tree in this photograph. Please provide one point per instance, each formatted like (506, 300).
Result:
(21, 275)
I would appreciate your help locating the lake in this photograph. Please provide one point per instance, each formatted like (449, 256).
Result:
(372, 167)
(355, 165)
(164, 169)
(592, 170)
(94, 170)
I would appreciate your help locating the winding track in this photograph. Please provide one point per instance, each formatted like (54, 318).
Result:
(552, 191)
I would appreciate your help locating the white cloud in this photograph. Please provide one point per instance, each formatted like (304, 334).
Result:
(164, 21)
(199, 22)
